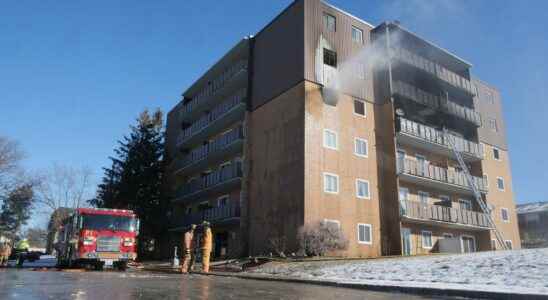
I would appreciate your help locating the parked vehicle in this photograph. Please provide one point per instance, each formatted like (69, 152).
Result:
(98, 237)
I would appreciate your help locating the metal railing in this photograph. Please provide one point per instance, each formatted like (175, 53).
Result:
(217, 144)
(426, 170)
(215, 114)
(433, 68)
(215, 85)
(212, 215)
(221, 175)
(417, 210)
(436, 102)
(429, 134)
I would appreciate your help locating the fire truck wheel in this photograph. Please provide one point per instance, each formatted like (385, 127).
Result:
(99, 266)
(121, 266)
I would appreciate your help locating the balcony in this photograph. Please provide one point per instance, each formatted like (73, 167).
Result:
(437, 177)
(232, 78)
(435, 141)
(435, 102)
(222, 116)
(415, 212)
(216, 216)
(433, 69)
(220, 148)
(225, 178)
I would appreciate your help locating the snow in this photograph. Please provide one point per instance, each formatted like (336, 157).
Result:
(516, 271)
(532, 207)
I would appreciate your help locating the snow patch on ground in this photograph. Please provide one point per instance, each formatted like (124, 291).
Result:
(517, 271)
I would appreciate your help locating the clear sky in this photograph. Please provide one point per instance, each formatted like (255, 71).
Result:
(75, 74)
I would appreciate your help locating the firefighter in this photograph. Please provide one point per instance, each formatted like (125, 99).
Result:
(207, 243)
(188, 247)
(5, 252)
(21, 249)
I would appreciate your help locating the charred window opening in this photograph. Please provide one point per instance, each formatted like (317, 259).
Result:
(330, 57)
(359, 107)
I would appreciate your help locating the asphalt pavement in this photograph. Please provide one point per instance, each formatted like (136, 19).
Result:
(31, 284)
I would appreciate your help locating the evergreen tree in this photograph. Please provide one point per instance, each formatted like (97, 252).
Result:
(16, 209)
(134, 179)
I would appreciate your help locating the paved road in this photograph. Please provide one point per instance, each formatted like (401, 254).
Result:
(27, 284)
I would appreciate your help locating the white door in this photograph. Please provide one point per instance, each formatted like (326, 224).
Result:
(406, 241)
(468, 244)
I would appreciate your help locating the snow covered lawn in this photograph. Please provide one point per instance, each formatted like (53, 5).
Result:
(518, 271)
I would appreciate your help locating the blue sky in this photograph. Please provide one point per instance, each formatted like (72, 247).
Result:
(75, 74)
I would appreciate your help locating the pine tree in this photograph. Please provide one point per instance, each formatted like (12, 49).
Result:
(134, 179)
(16, 209)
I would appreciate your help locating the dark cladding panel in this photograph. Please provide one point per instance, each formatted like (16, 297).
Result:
(278, 62)
(489, 104)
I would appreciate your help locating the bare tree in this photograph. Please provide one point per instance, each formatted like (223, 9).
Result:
(10, 157)
(64, 186)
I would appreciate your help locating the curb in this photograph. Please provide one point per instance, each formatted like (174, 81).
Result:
(385, 288)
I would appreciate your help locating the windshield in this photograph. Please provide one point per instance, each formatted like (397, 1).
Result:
(108, 222)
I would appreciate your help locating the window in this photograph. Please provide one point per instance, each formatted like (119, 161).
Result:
(330, 139)
(330, 57)
(330, 183)
(500, 183)
(223, 200)
(359, 107)
(493, 244)
(362, 189)
(364, 234)
(496, 153)
(490, 97)
(531, 218)
(357, 35)
(508, 244)
(360, 147)
(492, 123)
(486, 180)
(447, 235)
(504, 215)
(336, 224)
(188, 210)
(329, 22)
(426, 239)
(423, 198)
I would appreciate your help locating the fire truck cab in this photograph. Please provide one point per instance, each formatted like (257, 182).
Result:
(98, 237)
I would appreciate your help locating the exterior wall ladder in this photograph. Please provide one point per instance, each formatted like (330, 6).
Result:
(477, 194)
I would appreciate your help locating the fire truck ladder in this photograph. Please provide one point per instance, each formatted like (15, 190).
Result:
(477, 194)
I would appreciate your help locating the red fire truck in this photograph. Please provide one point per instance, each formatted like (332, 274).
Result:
(97, 237)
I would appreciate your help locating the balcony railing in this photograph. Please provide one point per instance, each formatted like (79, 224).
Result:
(434, 136)
(215, 114)
(216, 85)
(436, 102)
(438, 174)
(212, 215)
(222, 175)
(439, 213)
(433, 68)
(218, 144)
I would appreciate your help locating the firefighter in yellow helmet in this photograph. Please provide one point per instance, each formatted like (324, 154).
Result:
(207, 245)
(188, 248)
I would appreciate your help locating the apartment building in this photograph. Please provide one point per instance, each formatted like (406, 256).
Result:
(323, 117)
(533, 224)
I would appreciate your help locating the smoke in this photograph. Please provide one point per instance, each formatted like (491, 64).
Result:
(354, 73)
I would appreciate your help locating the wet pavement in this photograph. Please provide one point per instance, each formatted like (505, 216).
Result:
(52, 284)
